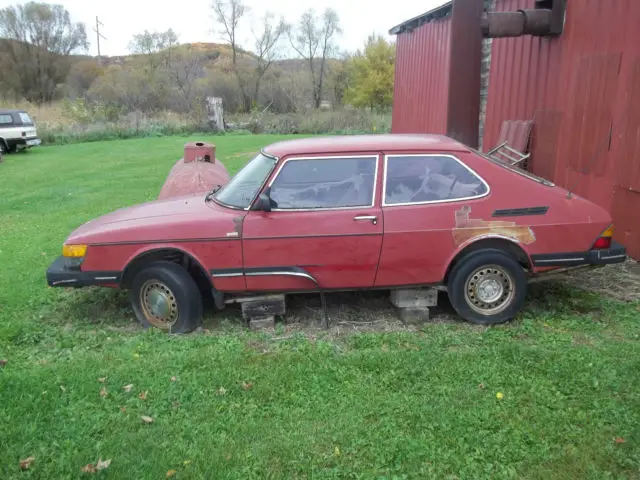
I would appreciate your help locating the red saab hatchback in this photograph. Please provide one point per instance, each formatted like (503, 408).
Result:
(344, 213)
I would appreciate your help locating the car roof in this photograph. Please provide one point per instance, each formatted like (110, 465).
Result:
(364, 143)
(11, 110)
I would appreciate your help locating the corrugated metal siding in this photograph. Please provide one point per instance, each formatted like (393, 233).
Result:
(581, 90)
(422, 79)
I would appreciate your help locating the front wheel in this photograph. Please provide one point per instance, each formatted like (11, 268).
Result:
(487, 287)
(165, 296)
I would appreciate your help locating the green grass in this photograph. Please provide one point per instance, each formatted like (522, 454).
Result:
(244, 405)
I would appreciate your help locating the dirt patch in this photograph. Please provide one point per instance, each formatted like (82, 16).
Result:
(349, 312)
(620, 281)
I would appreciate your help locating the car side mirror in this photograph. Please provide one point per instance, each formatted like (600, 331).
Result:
(264, 202)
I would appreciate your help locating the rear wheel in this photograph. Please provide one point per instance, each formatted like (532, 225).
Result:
(487, 287)
(166, 297)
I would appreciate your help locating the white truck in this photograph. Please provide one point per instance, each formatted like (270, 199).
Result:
(17, 131)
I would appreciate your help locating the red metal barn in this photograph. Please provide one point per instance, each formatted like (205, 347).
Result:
(580, 88)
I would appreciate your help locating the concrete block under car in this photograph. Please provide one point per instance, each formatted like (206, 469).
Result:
(414, 297)
(263, 306)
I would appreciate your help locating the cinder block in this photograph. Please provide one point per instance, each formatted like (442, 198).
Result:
(264, 306)
(262, 323)
(414, 316)
(414, 297)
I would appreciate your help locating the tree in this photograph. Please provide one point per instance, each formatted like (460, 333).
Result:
(371, 75)
(156, 47)
(228, 14)
(40, 37)
(185, 68)
(265, 44)
(313, 40)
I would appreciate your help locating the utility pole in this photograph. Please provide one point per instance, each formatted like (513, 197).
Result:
(98, 36)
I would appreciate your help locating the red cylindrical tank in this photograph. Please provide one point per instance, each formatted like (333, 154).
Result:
(197, 172)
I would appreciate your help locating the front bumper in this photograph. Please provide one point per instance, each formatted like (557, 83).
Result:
(61, 273)
(616, 254)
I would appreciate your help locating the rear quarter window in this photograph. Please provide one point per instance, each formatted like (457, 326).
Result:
(5, 119)
(25, 119)
(429, 178)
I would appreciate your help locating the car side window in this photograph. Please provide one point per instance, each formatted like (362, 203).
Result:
(429, 178)
(324, 183)
(6, 119)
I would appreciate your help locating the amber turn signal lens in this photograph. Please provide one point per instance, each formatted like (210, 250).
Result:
(608, 233)
(74, 251)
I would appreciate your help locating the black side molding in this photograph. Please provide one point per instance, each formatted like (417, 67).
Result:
(521, 212)
(616, 254)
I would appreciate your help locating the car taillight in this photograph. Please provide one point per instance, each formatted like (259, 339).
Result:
(604, 240)
(24, 134)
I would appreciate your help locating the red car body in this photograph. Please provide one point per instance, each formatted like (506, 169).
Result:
(394, 240)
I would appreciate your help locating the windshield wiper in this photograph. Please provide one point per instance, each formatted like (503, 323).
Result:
(211, 194)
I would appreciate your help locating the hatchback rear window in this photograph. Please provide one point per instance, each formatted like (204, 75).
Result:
(515, 169)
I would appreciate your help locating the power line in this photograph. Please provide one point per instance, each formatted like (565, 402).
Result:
(98, 36)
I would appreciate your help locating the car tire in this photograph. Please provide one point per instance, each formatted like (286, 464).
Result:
(165, 296)
(487, 287)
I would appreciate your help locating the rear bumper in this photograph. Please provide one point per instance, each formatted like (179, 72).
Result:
(616, 254)
(23, 141)
(62, 274)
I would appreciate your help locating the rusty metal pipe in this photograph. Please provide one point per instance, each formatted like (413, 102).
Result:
(537, 21)
(503, 24)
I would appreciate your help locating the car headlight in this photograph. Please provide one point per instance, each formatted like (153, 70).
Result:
(74, 251)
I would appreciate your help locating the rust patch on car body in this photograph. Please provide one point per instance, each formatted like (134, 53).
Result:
(467, 229)
(237, 224)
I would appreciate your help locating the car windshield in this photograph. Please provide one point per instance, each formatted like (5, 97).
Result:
(498, 161)
(244, 186)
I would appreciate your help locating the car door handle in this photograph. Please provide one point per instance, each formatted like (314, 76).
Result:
(371, 218)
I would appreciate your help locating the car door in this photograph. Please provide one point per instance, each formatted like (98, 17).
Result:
(325, 227)
(427, 201)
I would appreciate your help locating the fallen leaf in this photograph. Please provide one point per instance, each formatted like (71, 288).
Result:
(102, 464)
(3, 362)
(89, 468)
(123, 409)
(173, 379)
(136, 355)
(481, 386)
(222, 391)
(171, 473)
(146, 419)
(143, 395)
(176, 404)
(619, 440)
(499, 395)
(102, 379)
(247, 386)
(336, 451)
(26, 463)
(127, 388)
(186, 462)
(62, 388)
(385, 348)
(103, 392)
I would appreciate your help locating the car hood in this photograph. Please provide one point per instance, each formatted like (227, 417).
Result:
(177, 218)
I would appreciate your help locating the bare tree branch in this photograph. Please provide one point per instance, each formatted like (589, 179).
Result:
(312, 35)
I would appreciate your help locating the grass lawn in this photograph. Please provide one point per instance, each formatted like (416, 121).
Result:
(297, 403)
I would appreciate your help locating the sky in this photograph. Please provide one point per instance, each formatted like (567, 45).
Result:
(192, 20)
